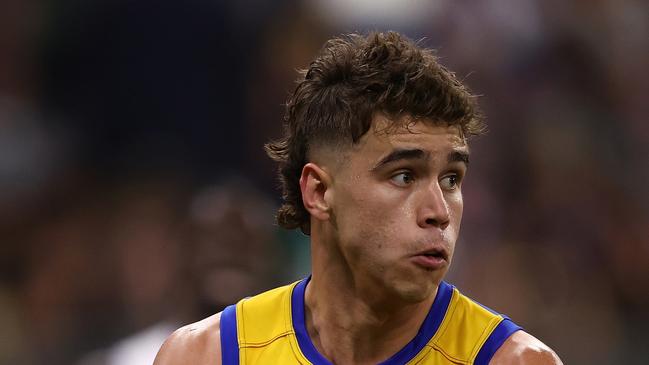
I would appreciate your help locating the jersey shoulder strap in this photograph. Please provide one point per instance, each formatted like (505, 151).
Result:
(471, 333)
(265, 317)
(255, 322)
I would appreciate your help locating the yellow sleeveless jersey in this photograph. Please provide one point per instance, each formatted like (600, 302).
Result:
(269, 329)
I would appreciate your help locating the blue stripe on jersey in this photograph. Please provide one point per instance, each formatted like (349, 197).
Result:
(504, 329)
(428, 328)
(299, 325)
(229, 341)
(426, 331)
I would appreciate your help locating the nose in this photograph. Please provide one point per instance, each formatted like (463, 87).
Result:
(433, 210)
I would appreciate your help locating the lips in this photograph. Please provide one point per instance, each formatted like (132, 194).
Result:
(431, 259)
(438, 252)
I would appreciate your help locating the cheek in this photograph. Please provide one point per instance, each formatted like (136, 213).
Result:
(357, 218)
(374, 206)
(374, 221)
(456, 207)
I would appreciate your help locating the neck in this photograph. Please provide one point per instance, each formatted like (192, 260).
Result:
(350, 320)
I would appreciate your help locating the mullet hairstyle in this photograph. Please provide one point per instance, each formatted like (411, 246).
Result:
(352, 78)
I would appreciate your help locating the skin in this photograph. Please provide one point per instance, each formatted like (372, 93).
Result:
(375, 210)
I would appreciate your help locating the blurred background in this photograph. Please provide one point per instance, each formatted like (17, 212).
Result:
(135, 195)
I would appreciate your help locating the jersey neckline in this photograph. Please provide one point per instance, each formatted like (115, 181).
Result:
(427, 330)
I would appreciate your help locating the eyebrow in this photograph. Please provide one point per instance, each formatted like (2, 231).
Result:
(459, 156)
(402, 154)
(416, 154)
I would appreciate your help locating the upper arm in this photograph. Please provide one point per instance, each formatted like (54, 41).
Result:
(198, 343)
(523, 348)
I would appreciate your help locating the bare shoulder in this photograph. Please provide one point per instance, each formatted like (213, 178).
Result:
(197, 343)
(523, 348)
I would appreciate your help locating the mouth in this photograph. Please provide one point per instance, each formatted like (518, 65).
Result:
(432, 259)
(436, 252)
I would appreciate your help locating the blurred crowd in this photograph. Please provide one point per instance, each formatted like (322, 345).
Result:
(135, 195)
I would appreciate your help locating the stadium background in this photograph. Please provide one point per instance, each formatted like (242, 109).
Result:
(135, 193)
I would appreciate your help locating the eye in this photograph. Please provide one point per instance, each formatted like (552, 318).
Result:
(403, 179)
(449, 182)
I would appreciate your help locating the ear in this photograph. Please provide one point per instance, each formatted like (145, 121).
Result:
(314, 183)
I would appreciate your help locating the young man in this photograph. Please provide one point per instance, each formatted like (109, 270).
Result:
(372, 165)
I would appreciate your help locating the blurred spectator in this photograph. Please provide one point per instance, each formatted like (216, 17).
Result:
(174, 272)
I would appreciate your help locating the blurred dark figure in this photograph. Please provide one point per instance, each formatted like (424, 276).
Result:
(234, 250)
(225, 249)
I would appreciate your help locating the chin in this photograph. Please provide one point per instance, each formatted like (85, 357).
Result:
(415, 292)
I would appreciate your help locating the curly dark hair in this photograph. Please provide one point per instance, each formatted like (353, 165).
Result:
(351, 79)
